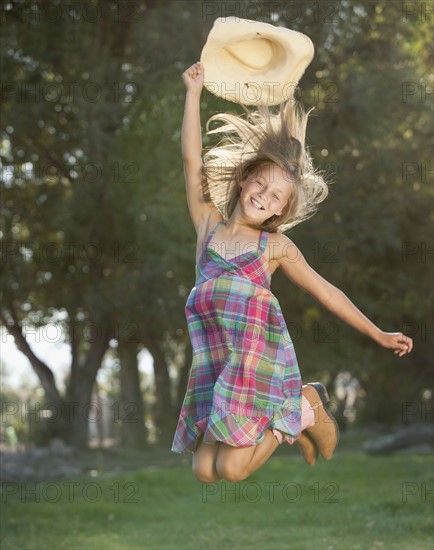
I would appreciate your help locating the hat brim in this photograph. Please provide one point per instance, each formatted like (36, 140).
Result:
(252, 63)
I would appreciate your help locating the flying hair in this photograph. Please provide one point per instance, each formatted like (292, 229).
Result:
(262, 137)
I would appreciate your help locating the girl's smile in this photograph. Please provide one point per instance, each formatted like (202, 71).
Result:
(257, 204)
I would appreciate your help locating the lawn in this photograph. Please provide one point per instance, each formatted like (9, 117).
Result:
(353, 501)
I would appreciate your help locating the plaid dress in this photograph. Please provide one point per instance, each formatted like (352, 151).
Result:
(244, 376)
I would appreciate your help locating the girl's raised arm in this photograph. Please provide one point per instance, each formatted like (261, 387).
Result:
(191, 141)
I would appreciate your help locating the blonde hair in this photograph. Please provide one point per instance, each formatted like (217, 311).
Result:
(263, 137)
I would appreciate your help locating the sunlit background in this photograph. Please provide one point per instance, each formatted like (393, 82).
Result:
(98, 261)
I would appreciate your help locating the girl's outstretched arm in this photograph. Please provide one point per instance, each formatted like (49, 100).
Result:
(295, 267)
(191, 141)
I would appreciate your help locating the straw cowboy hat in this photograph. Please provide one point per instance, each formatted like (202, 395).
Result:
(254, 63)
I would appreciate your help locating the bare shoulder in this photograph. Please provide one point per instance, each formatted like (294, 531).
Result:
(294, 266)
(282, 252)
(280, 249)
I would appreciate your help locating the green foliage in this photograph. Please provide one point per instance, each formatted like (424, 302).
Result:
(95, 222)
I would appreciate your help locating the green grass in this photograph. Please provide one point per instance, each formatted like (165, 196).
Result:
(353, 501)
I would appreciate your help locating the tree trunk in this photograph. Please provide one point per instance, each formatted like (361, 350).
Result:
(55, 424)
(162, 410)
(78, 411)
(43, 372)
(131, 408)
(83, 375)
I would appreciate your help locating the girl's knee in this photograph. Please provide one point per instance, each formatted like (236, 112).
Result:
(203, 468)
(205, 475)
(231, 472)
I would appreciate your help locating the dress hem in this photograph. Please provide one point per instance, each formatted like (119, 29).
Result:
(234, 430)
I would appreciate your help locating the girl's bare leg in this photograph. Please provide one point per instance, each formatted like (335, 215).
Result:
(235, 464)
(204, 461)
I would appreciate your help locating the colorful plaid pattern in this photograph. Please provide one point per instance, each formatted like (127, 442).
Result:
(244, 377)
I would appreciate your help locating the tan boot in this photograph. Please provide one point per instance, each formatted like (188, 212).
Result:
(325, 432)
(308, 448)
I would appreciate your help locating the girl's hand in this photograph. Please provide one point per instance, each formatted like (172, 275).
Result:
(193, 77)
(399, 342)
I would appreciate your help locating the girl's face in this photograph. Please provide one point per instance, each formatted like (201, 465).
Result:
(265, 192)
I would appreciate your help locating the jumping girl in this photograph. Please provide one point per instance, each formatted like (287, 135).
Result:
(245, 395)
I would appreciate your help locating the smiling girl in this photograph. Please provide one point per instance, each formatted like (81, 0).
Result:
(245, 394)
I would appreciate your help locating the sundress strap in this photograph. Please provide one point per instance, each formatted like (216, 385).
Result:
(263, 241)
(211, 233)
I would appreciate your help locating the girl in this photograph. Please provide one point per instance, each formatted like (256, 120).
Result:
(244, 394)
